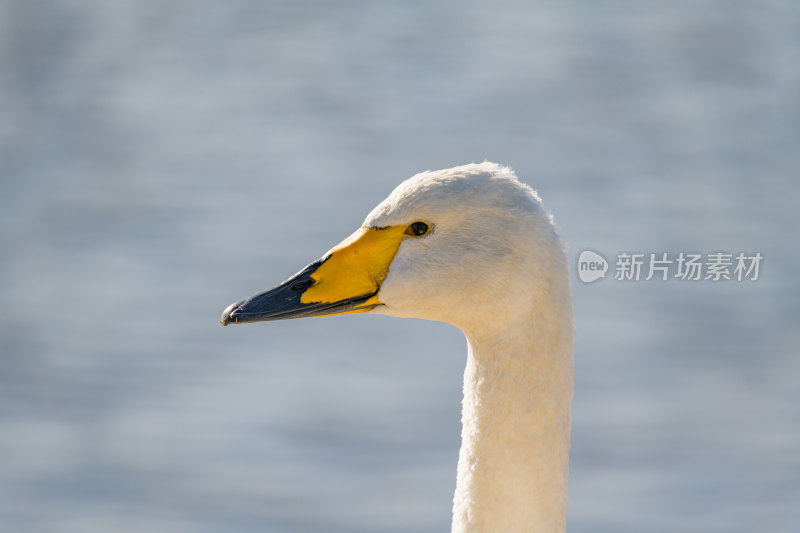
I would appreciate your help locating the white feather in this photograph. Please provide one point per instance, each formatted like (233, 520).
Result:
(493, 266)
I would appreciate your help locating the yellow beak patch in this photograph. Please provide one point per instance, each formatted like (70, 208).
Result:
(355, 267)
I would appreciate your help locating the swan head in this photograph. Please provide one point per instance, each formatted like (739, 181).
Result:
(464, 245)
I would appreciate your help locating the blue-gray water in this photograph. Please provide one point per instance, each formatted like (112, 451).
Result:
(161, 160)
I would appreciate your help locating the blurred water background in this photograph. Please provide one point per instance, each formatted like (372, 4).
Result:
(160, 160)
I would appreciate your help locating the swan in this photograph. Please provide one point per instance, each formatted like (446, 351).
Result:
(474, 247)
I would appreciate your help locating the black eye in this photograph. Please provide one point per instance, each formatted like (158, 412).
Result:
(417, 229)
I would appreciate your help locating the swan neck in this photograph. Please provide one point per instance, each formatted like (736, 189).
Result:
(513, 463)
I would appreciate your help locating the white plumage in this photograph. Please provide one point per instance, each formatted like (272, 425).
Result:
(493, 265)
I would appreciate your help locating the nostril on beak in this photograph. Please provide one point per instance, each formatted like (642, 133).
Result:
(302, 285)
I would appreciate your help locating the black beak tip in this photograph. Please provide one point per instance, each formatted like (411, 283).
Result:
(229, 314)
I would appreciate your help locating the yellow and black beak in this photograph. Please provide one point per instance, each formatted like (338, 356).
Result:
(286, 301)
(346, 280)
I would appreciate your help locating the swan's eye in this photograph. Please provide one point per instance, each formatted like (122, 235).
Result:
(417, 229)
